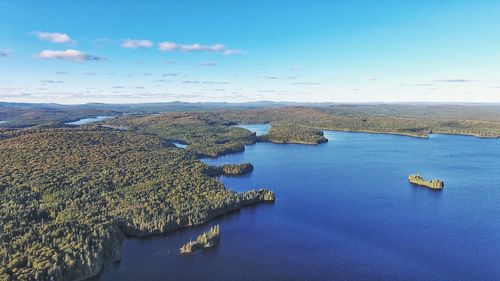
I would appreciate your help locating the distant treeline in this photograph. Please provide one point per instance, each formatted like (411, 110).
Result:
(406, 119)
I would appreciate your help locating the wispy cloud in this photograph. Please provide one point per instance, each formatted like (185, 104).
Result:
(5, 53)
(208, 63)
(170, 74)
(416, 84)
(295, 68)
(271, 77)
(54, 37)
(61, 72)
(306, 83)
(68, 55)
(459, 80)
(215, 48)
(134, 44)
(370, 78)
(215, 82)
(52, 81)
(229, 52)
(334, 78)
(90, 73)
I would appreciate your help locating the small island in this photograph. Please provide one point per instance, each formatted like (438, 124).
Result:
(432, 184)
(205, 240)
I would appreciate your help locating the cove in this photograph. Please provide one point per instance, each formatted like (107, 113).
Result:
(344, 210)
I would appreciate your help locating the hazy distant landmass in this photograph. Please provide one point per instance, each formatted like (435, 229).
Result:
(414, 119)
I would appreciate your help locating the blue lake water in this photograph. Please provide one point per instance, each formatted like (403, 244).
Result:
(88, 120)
(179, 145)
(345, 211)
(259, 129)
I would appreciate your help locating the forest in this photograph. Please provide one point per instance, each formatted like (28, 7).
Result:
(290, 133)
(205, 240)
(69, 194)
(412, 119)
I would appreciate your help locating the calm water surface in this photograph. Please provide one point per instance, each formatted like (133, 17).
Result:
(88, 120)
(179, 145)
(259, 129)
(345, 211)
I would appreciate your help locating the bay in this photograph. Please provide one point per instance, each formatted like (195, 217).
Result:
(345, 211)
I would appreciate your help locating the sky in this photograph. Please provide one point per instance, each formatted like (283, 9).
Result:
(73, 52)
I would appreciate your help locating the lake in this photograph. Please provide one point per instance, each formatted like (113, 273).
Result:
(88, 120)
(259, 129)
(179, 145)
(345, 211)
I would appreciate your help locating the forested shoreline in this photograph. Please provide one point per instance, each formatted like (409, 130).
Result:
(68, 195)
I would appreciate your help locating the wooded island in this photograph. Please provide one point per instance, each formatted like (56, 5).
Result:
(419, 180)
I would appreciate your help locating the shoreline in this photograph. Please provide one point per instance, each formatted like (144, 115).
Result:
(96, 269)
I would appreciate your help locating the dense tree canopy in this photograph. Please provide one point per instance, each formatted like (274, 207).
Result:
(67, 195)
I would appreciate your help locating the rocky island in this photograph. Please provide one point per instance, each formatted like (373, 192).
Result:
(419, 180)
(205, 240)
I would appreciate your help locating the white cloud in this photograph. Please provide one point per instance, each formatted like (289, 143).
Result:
(69, 55)
(208, 63)
(458, 80)
(52, 81)
(216, 48)
(134, 44)
(54, 37)
(5, 53)
(306, 83)
(167, 46)
(370, 78)
(229, 52)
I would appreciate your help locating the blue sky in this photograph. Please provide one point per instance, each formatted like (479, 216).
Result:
(237, 51)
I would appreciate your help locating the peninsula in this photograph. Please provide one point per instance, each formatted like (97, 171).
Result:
(419, 180)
